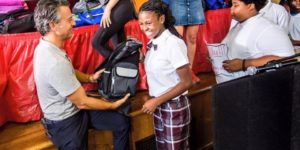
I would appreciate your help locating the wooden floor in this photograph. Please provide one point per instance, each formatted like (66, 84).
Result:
(31, 136)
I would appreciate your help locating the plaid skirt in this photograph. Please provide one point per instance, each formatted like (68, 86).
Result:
(171, 123)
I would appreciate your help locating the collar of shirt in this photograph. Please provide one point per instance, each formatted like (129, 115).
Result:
(159, 40)
(248, 20)
(295, 15)
(266, 8)
(55, 48)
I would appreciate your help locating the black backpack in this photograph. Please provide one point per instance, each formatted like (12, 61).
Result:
(121, 71)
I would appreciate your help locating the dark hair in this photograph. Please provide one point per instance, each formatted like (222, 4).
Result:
(46, 12)
(160, 8)
(259, 4)
(283, 2)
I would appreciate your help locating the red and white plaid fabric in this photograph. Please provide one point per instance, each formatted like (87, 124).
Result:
(171, 122)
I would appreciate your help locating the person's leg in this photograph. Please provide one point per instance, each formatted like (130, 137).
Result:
(191, 39)
(111, 120)
(118, 38)
(69, 134)
(180, 29)
(120, 15)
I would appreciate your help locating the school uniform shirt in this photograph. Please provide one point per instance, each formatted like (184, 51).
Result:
(168, 53)
(294, 28)
(276, 14)
(257, 37)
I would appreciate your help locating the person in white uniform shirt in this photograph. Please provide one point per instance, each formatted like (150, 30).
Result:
(254, 40)
(293, 7)
(277, 14)
(168, 75)
(274, 13)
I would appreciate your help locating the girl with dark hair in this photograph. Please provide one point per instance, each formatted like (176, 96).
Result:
(254, 40)
(168, 76)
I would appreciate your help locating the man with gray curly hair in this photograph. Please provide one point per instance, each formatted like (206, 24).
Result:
(68, 111)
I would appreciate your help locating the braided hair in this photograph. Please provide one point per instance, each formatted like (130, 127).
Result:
(160, 8)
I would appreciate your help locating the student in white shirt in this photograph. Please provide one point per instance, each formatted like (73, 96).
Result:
(293, 7)
(254, 40)
(277, 14)
(168, 75)
(274, 13)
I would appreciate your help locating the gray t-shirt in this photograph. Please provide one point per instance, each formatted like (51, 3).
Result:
(55, 80)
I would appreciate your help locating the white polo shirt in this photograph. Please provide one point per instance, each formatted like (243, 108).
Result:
(161, 63)
(294, 28)
(257, 37)
(254, 38)
(276, 14)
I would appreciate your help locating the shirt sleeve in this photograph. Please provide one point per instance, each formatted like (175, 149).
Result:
(274, 41)
(178, 53)
(63, 79)
(295, 27)
(283, 18)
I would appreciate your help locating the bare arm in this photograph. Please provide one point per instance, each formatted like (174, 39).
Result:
(185, 83)
(88, 78)
(295, 42)
(82, 101)
(237, 64)
(106, 21)
(82, 77)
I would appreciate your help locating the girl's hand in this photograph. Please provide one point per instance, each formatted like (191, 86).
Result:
(150, 106)
(233, 65)
(105, 21)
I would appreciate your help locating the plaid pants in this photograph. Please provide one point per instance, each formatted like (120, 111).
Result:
(171, 122)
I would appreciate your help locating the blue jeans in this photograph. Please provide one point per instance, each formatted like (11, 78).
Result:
(72, 133)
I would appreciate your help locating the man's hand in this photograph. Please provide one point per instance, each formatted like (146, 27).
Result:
(233, 65)
(119, 102)
(93, 78)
